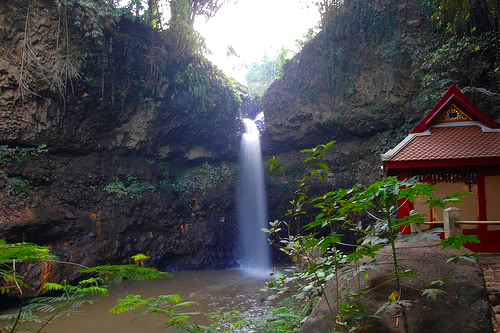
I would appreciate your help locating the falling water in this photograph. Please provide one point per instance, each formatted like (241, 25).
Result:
(255, 252)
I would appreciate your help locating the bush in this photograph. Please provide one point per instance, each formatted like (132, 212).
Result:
(17, 186)
(131, 186)
(201, 178)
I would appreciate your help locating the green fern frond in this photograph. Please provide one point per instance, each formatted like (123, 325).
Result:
(94, 290)
(9, 316)
(129, 272)
(51, 286)
(140, 257)
(91, 282)
(47, 299)
(22, 252)
(128, 303)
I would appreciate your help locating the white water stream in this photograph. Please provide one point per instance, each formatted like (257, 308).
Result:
(254, 249)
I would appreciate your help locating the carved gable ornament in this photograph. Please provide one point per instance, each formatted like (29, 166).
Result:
(453, 114)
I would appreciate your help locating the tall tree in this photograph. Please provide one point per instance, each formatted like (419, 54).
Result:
(468, 17)
(326, 8)
(188, 10)
(205, 8)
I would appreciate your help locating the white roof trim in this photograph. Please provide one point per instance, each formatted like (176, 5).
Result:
(391, 153)
(484, 128)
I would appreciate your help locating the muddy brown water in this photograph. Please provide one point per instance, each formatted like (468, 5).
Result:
(215, 291)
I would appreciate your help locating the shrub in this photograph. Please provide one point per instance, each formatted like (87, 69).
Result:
(201, 178)
(131, 186)
(17, 186)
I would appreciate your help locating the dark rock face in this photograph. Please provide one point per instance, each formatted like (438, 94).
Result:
(69, 209)
(135, 161)
(352, 83)
(121, 128)
(353, 79)
(464, 307)
(119, 105)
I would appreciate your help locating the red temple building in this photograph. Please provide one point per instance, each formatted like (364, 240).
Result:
(457, 148)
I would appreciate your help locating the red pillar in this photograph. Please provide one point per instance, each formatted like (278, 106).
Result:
(481, 198)
(404, 206)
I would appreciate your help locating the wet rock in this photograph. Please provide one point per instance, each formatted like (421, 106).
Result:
(464, 306)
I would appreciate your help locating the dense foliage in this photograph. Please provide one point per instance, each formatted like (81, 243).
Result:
(262, 73)
(368, 213)
(34, 314)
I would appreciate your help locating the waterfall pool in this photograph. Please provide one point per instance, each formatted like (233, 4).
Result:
(215, 291)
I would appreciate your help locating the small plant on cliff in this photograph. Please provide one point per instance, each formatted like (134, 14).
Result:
(17, 186)
(19, 155)
(140, 259)
(130, 186)
(206, 176)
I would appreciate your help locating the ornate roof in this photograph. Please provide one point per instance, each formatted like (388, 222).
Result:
(458, 142)
(455, 130)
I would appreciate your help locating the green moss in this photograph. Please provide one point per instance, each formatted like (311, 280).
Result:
(349, 34)
(128, 187)
(206, 176)
(17, 186)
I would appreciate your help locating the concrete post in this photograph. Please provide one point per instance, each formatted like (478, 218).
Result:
(451, 216)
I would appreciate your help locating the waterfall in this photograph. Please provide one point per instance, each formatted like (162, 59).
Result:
(254, 248)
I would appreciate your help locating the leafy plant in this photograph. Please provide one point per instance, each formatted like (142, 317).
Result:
(19, 155)
(316, 254)
(130, 186)
(17, 186)
(68, 299)
(262, 73)
(166, 305)
(207, 176)
(140, 259)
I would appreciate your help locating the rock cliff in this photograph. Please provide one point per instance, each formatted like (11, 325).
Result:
(141, 142)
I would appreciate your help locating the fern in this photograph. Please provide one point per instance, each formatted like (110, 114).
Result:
(166, 305)
(9, 316)
(45, 309)
(50, 286)
(130, 272)
(128, 303)
(140, 257)
(23, 252)
(94, 291)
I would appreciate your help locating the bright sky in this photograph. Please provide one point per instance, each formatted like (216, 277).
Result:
(253, 27)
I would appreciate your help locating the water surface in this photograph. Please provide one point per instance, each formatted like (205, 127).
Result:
(215, 291)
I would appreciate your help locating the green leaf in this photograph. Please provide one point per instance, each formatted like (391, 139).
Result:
(50, 286)
(328, 146)
(308, 159)
(459, 241)
(128, 303)
(433, 293)
(323, 166)
(140, 257)
(408, 273)
(471, 257)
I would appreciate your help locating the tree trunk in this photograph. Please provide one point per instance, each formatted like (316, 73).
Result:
(194, 9)
(496, 23)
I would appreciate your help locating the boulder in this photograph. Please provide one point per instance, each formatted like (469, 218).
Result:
(464, 306)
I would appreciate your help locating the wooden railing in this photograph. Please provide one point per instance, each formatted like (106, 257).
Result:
(451, 223)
